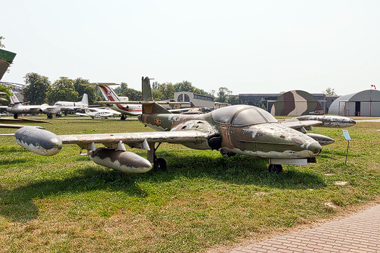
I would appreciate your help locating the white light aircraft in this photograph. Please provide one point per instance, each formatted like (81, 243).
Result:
(99, 113)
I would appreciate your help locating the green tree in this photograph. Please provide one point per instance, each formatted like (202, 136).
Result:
(62, 90)
(167, 91)
(330, 91)
(1, 43)
(223, 94)
(36, 88)
(132, 94)
(183, 86)
(120, 90)
(89, 90)
(155, 86)
(234, 100)
(7, 91)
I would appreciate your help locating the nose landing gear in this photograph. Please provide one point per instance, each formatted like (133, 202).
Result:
(275, 168)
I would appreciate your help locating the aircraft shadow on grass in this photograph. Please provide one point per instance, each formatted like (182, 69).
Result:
(17, 204)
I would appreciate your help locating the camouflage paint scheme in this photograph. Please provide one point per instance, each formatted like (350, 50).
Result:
(296, 103)
(239, 129)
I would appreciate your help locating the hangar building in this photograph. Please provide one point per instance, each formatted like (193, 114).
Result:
(267, 100)
(296, 103)
(363, 103)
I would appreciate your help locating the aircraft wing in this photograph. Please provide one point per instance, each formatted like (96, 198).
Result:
(132, 139)
(16, 126)
(47, 143)
(295, 124)
(141, 102)
(317, 120)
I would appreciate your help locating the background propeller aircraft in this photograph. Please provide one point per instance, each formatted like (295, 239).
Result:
(16, 107)
(67, 106)
(98, 113)
(238, 129)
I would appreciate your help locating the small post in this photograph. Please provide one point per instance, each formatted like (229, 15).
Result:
(348, 138)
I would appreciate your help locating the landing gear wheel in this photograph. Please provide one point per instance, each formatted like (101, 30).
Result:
(15, 116)
(123, 117)
(160, 164)
(275, 168)
(50, 116)
(227, 154)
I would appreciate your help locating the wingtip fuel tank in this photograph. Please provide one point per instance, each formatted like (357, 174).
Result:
(330, 121)
(39, 141)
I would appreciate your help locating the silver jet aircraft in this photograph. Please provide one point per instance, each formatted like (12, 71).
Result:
(16, 107)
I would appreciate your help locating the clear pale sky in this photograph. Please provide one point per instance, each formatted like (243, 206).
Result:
(247, 46)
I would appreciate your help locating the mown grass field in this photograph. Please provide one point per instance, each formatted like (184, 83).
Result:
(67, 203)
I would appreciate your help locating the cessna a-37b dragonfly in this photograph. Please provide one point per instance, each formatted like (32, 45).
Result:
(238, 129)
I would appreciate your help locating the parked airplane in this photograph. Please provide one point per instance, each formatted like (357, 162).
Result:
(99, 113)
(238, 129)
(110, 95)
(67, 106)
(16, 107)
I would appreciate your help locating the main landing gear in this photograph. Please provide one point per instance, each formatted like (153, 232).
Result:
(275, 168)
(123, 117)
(159, 164)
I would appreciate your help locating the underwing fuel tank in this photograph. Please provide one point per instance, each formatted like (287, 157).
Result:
(322, 139)
(124, 161)
(39, 141)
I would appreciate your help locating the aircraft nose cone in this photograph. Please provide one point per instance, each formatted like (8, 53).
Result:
(315, 147)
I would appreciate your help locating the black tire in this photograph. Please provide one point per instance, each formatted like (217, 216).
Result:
(271, 168)
(15, 116)
(160, 164)
(227, 154)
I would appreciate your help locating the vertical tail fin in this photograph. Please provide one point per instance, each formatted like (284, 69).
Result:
(14, 99)
(146, 89)
(108, 93)
(85, 99)
(147, 95)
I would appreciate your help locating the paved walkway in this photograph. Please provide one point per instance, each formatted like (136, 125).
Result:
(357, 233)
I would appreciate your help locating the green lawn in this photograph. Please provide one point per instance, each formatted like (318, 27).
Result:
(67, 203)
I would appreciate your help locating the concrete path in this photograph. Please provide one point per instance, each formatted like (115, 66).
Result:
(357, 233)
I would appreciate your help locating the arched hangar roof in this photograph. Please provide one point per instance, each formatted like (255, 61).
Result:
(362, 96)
(296, 103)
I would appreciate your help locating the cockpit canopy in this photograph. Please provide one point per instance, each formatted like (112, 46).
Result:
(242, 115)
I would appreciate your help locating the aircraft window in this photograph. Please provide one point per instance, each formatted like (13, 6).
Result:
(225, 114)
(252, 116)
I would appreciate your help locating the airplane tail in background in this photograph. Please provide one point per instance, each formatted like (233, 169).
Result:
(147, 95)
(108, 92)
(85, 99)
(146, 89)
(14, 100)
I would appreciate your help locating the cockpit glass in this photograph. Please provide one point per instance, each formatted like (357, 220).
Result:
(225, 114)
(252, 116)
(242, 115)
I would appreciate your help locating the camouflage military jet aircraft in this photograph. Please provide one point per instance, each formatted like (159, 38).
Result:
(239, 129)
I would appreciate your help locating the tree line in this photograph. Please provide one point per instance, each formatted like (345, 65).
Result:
(38, 90)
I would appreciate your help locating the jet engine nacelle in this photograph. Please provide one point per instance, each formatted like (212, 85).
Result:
(124, 161)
